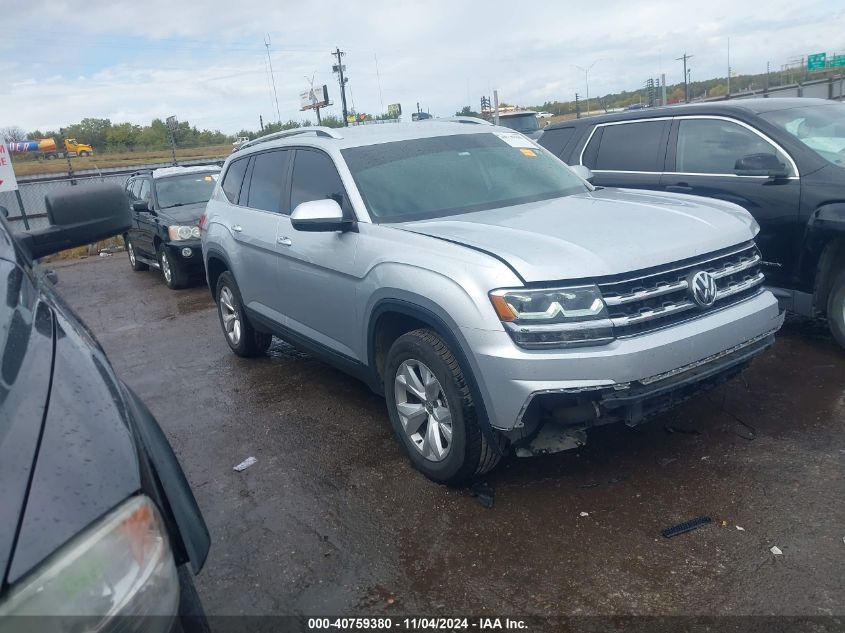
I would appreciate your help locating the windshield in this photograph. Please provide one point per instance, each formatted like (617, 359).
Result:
(176, 191)
(521, 122)
(819, 127)
(449, 175)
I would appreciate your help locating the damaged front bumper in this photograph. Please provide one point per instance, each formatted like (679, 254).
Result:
(557, 421)
(626, 380)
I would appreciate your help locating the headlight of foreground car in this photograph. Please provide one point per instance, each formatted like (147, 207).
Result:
(178, 233)
(120, 566)
(554, 317)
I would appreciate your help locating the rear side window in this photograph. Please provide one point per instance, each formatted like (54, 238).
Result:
(315, 178)
(144, 192)
(629, 147)
(267, 180)
(234, 178)
(556, 140)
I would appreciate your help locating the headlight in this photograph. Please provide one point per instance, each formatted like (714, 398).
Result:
(554, 317)
(120, 566)
(183, 232)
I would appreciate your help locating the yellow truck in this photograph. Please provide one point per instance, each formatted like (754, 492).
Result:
(49, 149)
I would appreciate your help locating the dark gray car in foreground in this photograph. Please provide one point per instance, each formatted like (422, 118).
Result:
(97, 520)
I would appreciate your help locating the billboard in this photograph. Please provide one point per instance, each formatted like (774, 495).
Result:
(316, 97)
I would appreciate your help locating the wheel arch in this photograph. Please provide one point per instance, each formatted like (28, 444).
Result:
(825, 240)
(216, 263)
(390, 318)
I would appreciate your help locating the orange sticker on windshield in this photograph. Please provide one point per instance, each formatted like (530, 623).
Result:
(527, 152)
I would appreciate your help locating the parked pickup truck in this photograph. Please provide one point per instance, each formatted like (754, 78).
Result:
(494, 297)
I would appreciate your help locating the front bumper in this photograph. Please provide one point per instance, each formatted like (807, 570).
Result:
(192, 262)
(510, 377)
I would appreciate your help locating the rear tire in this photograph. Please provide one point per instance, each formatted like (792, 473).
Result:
(133, 259)
(241, 336)
(439, 429)
(836, 309)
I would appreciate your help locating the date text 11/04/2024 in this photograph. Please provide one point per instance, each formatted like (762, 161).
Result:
(418, 624)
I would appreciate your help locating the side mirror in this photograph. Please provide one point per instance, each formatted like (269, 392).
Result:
(4, 211)
(319, 215)
(79, 216)
(140, 206)
(583, 172)
(761, 165)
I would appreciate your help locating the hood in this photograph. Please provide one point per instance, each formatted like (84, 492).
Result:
(596, 234)
(188, 214)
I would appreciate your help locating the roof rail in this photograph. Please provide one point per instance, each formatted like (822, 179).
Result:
(463, 119)
(317, 130)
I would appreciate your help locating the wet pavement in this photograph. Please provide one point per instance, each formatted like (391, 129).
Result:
(332, 519)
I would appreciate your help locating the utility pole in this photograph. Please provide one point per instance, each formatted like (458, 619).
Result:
(663, 89)
(768, 65)
(339, 68)
(577, 107)
(729, 69)
(495, 107)
(685, 57)
(273, 78)
(261, 122)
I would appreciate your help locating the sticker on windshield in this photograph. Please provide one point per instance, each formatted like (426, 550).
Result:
(527, 152)
(515, 139)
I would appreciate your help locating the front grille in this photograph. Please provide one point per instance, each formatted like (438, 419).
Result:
(661, 297)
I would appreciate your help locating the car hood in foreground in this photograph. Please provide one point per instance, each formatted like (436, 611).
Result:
(596, 234)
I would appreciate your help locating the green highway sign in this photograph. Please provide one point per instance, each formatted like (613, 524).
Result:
(816, 61)
(838, 61)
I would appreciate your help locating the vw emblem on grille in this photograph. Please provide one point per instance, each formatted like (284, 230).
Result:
(703, 289)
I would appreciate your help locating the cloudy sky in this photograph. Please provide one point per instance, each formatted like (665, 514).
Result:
(205, 62)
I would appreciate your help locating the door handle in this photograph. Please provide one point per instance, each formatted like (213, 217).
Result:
(284, 241)
(237, 228)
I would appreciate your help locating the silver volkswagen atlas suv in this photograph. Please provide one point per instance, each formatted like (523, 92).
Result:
(497, 300)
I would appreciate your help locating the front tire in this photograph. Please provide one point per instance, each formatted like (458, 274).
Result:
(836, 309)
(174, 275)
(133, 258)
(243, 339)
(432, 411)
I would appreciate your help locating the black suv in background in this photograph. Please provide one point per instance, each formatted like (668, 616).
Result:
(166, 205)
(97, 520)
(781, 159)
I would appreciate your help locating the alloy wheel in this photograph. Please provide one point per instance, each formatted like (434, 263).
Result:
(165, 267)
(230, 316)
(423, 410)
(131, 253)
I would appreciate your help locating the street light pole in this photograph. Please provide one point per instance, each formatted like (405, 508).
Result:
(586, 72)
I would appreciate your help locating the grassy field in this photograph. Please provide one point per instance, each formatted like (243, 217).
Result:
(28, 166)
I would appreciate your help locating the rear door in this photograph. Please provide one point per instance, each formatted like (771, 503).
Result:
(314, 268)
(253, 223)
(701, 161)
(627, 153)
